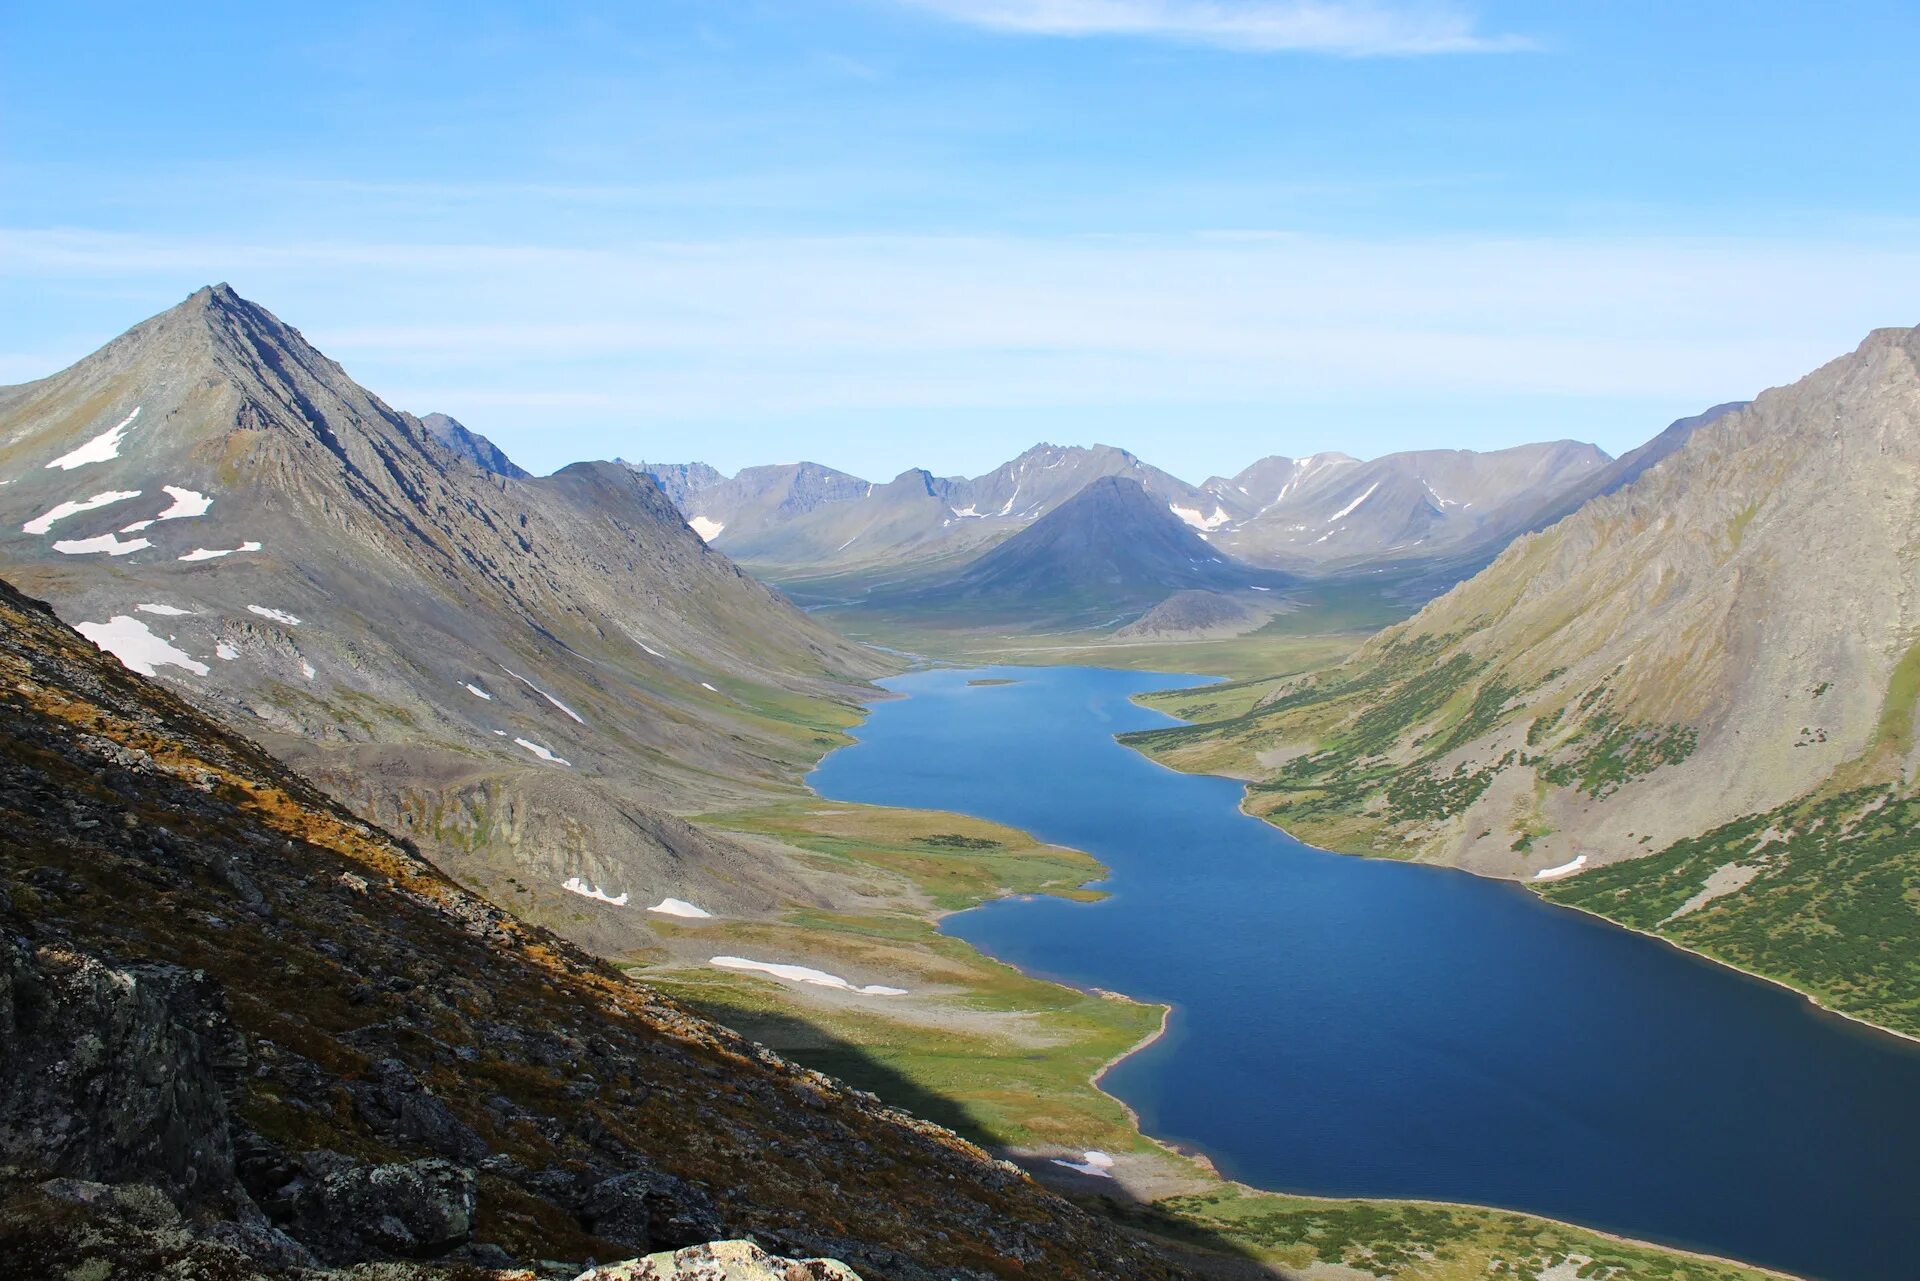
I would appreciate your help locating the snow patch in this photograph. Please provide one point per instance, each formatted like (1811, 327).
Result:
(477, 692)
(586, 889)
(165, 611)
(543, 693)
(803, 974)
(185, 503)
(704, 685)
(98, 450)
(1097, 1164)
(1192, 516)
(138, 649)
(306, 669)
(225, 650)
(43, 524)
(680, 907)
(108, 543)
(1348, 509)
(963, 512)
(542, 752)
(707, 529)
(202, 553)
(277, 615)
(1565, 869)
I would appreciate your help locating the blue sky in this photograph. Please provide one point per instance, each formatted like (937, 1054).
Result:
(893, 233)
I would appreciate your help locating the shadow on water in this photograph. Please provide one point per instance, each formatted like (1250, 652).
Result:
(1206, 1252)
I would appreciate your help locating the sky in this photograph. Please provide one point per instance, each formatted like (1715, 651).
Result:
(882, 234)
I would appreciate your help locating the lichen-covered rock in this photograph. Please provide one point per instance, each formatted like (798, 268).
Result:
(115, 1073)
(721, 1261)
(347, 1210)
(651, 1209)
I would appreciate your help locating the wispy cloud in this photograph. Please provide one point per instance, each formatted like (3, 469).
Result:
(1349, 28)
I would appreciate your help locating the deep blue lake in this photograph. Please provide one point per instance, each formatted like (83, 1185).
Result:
(1345, 1026)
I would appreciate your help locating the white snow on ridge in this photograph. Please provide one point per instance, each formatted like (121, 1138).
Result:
(202, 553)
(108, 543)
(43, 524)
(1192, 516)
(543, 753)
(1565, 869)
(680, 907)
(98, 450)
(277, 615)
(543, 693)
(138, 649)
(1348, 509)
(803, 974)
(185, 503)
(477, 692)
(1097, 1164)
(707, 529)
(165, 611)
(964, 511)
(586, 889)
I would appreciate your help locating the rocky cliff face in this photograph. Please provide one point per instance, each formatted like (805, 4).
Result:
(248, 1033)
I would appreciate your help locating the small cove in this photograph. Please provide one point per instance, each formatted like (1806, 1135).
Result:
(1358, 1027)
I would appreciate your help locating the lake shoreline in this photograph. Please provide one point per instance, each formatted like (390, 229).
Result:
(1194, 1155)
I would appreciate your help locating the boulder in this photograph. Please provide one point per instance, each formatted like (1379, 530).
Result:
(721, 1261)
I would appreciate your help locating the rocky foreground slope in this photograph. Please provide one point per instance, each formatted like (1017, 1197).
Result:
(247, 1033)
(1689, 705)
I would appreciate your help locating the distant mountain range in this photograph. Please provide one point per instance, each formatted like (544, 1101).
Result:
(1314, 514)
(1429, 517)
(533, 677)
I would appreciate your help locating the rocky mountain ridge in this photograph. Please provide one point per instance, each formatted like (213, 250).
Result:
(1327, 513)
(534, 677)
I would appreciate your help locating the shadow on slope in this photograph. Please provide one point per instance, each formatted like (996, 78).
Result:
(802, 1041)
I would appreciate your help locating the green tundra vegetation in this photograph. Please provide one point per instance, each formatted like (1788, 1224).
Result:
(1372, 746)
(1833, 906)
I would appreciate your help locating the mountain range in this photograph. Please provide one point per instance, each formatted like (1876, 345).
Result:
(1315, 515)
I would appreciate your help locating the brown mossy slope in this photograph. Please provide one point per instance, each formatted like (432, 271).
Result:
(365, 1019)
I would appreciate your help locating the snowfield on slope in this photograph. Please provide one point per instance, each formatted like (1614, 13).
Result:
(132, 642)
(804, 974)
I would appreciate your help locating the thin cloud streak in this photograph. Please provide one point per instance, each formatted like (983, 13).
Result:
(1347, 28)
(772, 330)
